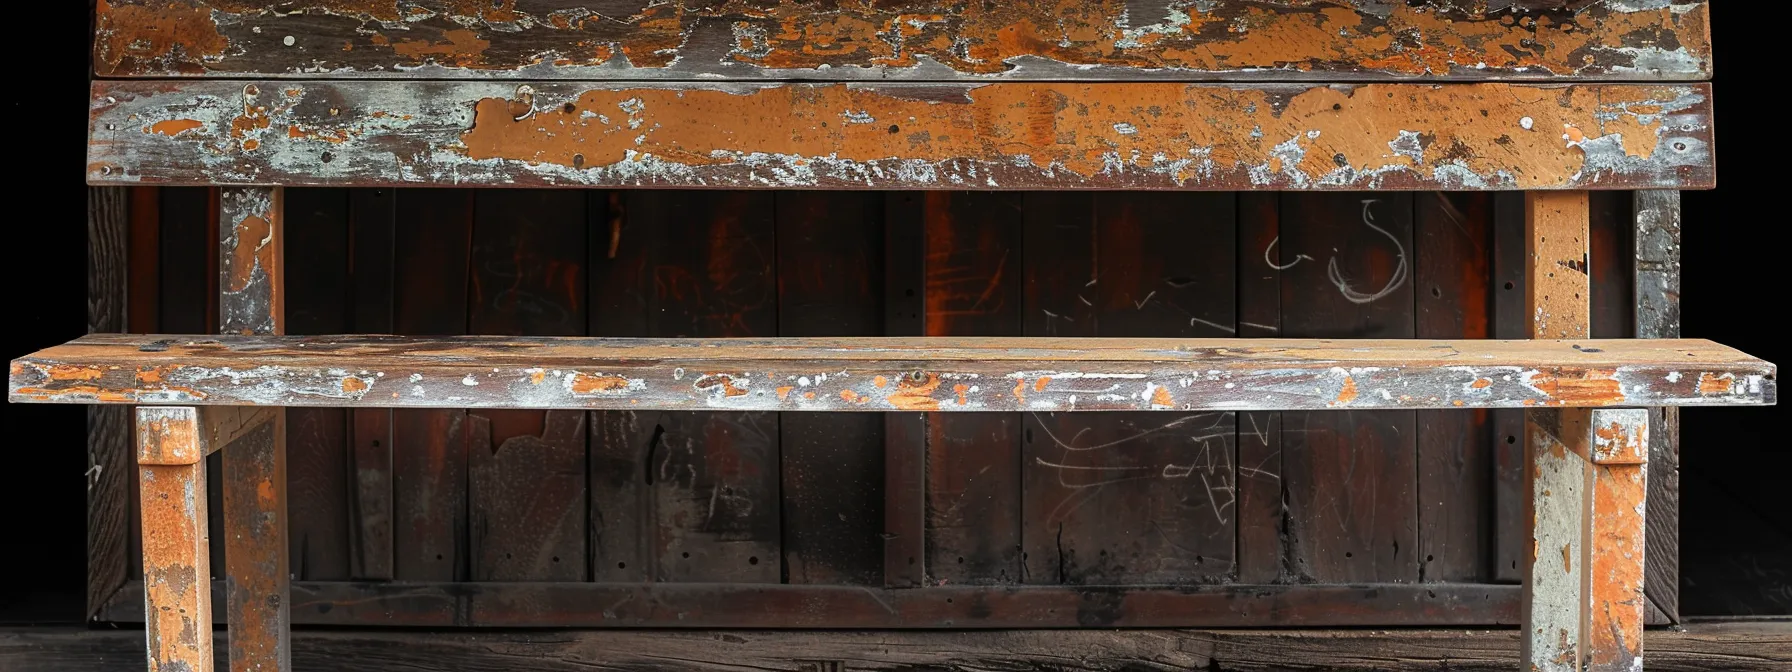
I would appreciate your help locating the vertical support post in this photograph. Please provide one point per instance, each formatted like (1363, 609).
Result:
(1583, 593)
(1658, 316)
(251, 301)
(177, 585)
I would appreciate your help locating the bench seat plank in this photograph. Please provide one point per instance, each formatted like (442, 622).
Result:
(916, 39)
(886, 374)
(1491, 136)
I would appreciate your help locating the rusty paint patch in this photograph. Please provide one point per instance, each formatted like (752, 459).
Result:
(1715, 384)
(1481, 383)
(353, 386)
(960, 391)
(784, 392)
(1020, 389)
(1039, 385)
(174, 127)
(1160, 398)
(915, 395)
(1346, 393)
(721, 381)
(585, 383)
(880, 382)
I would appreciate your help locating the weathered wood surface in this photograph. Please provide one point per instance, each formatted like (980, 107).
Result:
(910, 136)
(252, 301)
(175, 595)
(109, 428)
(788, 39)
(1742, 647)
(882, 374)
(1657, 315)
(740, 605)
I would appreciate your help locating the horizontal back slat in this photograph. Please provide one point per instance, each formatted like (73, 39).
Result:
(1214, 40)
(911, 136)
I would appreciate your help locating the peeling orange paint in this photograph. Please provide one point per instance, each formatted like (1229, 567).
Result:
(1039, 385)
(1020, 389)
(173, 127)
(722, 380)
(536, 376)
(352, 385)
(912, 395)
(584, 383)
(1347, 393)
(1711, 385)
(880, 382)
(1481, 383)
(784, 391)
(960, 391)
(1160, 398)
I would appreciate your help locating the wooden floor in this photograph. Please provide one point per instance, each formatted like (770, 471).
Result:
(1751, 645)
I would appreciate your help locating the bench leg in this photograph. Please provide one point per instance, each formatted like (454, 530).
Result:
(251, 301)
(177, 582)
(1583, 590)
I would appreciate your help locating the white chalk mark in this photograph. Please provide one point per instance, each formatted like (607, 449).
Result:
(1394, 282)
(1272, 264)
(1085, 301)
(1140, 304)
(1260, 326)
(1192, 321)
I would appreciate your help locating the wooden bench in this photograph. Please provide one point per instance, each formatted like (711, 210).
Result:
(1549, 98)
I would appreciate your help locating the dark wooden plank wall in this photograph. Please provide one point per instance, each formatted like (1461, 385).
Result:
(1109, 499)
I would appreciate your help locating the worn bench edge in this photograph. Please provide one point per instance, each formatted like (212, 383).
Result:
(890, 374)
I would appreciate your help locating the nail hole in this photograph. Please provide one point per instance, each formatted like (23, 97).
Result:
(328, 157)
(961, 560)
(1508, 285)
(1347, 554)
(894, 129)
(685, 554)
(578, 160)
(948, 600)
(753, 560)
(1511, 440)
(555, 558)
(1680, 146)
(438, 556)
(1428, 558)
(569, 108)
(911, 560)
(622, 565)
(1337, 106)
(1435, 292)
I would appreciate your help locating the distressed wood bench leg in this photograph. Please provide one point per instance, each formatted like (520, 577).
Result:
(255, 551)
(1584, 476)
(177, 581)
(1583, 597)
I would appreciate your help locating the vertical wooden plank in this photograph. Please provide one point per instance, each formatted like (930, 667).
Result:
(905, 434)
(317, 439)
(143, 290)
(108, 427)
(1557, 483)
(176, 565)
(1558, 295)
(1511, 536)
(1261, 508)
(972, 251)
(252, 300)
(526, 469)
(830, 283)
(1351, 477)
(372, 215)
(1615, 545)
(429, 448)
(715, 474)
(1611, 264)
(1128, 498)
(620, 485)
(1452, 272)
(1657, 258)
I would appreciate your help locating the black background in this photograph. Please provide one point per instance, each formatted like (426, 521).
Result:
(1736, 524)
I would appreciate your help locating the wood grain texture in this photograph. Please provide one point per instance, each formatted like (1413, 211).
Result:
(1453, 292)
(372, 217)
(1262, 506)
(176, 590)
(1657, 315)
(432, 248)
(910, 136)
(726, 374)
(252, 300)
(1128, 498)
(830, 275)
(972, 254)
(716, 477)
(317, 300)
(109, 432)
(1556, 594)
(686, 605)
(1351, 478)
(1556, 258)
(1031, 39)
(1743, 647)
(1615, 544)
(1511, 536)
(526, 498)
